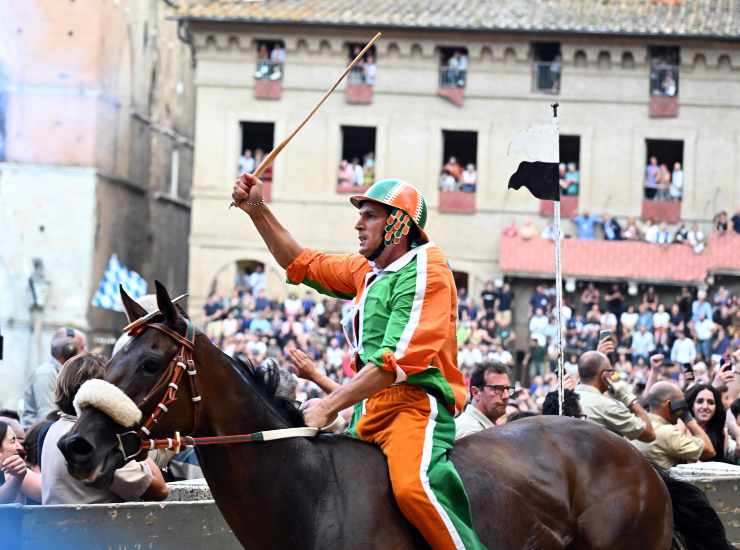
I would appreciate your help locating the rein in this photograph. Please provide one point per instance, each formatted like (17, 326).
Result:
(183, 362)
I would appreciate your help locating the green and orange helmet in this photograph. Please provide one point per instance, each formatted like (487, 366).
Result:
(407, 207)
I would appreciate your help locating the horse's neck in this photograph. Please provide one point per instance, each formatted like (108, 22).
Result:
(231, 402)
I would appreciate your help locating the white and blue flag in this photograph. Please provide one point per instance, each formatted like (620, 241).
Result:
(107, 295)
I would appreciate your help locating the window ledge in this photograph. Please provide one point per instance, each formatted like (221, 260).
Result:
(177, 201)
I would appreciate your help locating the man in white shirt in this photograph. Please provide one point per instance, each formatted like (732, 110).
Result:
(538, 323)
(489, 395)
(683, 350)
(704, 329)
(642, 343)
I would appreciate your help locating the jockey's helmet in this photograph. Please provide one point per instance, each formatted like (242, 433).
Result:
(406, 204)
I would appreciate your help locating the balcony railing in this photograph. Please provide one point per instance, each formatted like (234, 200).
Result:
(452, 77)
(663, 80)
(268, 70)
(547, 76)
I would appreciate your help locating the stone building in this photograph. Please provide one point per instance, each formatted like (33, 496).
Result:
(634, 79)
(96, 119)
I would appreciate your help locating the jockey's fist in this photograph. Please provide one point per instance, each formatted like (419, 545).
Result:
(247, 192)
(316, 414)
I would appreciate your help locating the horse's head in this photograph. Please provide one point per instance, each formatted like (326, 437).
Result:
(112, 411)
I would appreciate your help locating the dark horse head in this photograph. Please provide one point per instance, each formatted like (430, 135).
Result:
(141, 370)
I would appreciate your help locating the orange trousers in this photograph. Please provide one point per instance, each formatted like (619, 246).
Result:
(415, 433)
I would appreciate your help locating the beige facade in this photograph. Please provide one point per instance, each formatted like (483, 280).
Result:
(604, 99)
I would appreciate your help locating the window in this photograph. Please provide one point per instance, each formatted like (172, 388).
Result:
(459, 161)
(570, 165)
(547, 67)
(664, 63)
(357, 165)
(270, 60)
(364, 71)
(664, 173)
(453, 67)
(257, 141)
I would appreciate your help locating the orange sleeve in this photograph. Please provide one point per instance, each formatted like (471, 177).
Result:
(336, 275)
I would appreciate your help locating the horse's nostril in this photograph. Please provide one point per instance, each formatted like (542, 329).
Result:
(79, 447)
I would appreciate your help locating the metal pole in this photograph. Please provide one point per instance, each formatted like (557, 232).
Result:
(558, 272)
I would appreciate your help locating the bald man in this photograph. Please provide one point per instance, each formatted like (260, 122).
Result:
(673, 445)
(38, 399)
(610, 404)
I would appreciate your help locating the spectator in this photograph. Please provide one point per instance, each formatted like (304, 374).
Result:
(488, 297)
(632, 231)
(651, 178)
(683, 350)
(38, 397)
(663, 182)
(447, 181)
(612, 229)
(505, 299)
(650, 230)
(277, 61)
(696, 239)
(346, 174)
(453, 168)
(133, 481)
(590, 296)
(705, 404)
(736, 221)
(628, 320)
(619, 411)
(538, 323)
(18, 482)
(490, 390)
(358, 177)
(663, 236)
(263, 62)
(246, 162)
(673, 445)
(681, 235)
(571, 404)
(573, 178)
(370, 70)
(469, 179)
(676, 189)
(586, 226)
(700, 306)
(703, 332)
(528, 230)
(720, 223)
(564, 184)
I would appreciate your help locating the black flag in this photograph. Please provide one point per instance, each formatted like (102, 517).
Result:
(541, 178)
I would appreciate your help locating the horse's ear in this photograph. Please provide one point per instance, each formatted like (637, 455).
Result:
(165, 305)
(133, 310)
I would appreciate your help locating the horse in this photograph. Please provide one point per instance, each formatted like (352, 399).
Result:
(546, 483)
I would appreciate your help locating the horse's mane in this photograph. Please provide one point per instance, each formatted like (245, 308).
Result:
(284, 407)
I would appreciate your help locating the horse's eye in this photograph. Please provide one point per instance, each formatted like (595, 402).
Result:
(150, 367)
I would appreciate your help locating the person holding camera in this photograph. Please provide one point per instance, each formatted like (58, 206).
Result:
(609, 403)
(674, 443)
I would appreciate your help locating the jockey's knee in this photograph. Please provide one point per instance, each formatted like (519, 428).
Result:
(408, 490)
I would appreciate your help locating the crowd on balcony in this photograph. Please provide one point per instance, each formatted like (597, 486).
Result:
(270, 62)
(455, 177)
(454, 69)
(570, 179)
(248, 162)
(356, 173)
(365, 70)
(662, 183)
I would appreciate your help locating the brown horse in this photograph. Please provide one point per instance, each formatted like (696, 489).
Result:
(541, 483)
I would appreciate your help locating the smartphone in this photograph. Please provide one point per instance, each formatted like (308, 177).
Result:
(605, 334)
(676, 406)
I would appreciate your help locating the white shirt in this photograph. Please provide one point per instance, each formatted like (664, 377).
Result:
(704, 329)
(359, 175)
(683, 351)
(471, 421)
(538, 324)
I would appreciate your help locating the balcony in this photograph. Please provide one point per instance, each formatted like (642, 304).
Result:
(546, 77)
(360, 83)
(268, 80)
(663, 91)
(452, 85)
(661, 211)
(599, 260)
(568, 207)
(457, 202)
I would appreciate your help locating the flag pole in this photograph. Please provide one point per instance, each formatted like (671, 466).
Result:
(558, 269)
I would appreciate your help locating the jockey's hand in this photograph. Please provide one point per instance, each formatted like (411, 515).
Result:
(303, 366)
(316, 414)
(247, 188)
(14, 465)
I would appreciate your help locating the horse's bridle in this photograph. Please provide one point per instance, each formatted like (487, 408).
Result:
(183, 362)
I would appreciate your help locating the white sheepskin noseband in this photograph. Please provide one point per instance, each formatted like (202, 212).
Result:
(108, 399)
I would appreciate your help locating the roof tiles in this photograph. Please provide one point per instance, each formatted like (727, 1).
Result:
(686, 18)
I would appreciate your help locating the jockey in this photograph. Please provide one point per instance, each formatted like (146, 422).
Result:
(402, 334)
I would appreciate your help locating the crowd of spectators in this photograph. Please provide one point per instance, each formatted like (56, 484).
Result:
(454, 69)
(364, 71)
(455, 177)
(356, 173)
(270, 61)
(662, 183)
(248, 162)
(570, 179)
